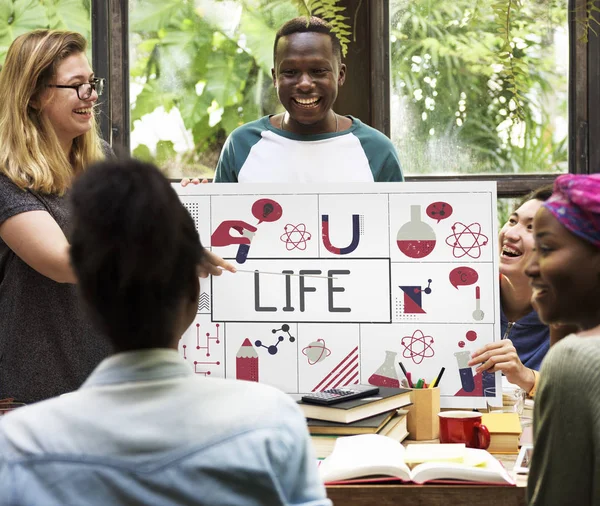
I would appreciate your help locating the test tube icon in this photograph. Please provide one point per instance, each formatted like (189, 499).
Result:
(244, 249)
(466, 373)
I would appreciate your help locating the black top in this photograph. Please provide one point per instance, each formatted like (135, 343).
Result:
(47, 346)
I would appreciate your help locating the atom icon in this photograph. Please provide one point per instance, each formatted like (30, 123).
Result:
(295, 237)
(316, 351)
(421, 351)
(467, 241)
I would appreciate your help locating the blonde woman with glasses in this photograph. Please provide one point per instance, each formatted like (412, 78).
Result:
(48, 135)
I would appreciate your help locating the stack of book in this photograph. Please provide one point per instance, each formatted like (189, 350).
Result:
(505, 432)
(371, 415)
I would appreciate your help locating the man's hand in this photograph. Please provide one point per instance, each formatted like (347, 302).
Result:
(502, 356)
(186, 180)
(213, 264)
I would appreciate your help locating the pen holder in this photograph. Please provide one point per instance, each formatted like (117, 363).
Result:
(422, 419)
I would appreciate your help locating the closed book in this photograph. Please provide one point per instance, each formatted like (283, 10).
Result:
(358, 409)
(370, 425)
(505, 432)
(395, 428)
(323, 444)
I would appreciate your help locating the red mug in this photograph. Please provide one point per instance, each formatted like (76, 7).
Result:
(463, 427)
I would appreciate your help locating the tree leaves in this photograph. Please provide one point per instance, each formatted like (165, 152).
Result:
(154, 15)
(590, 21)
(21, 16)
(516, 73)
(333, 13)
(71, 15)
(18, 17)
(448, 75)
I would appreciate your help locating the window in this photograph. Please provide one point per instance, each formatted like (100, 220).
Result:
(198, 70)
(453, 106)
(370, 81)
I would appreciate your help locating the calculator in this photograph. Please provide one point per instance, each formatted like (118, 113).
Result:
(335, 395)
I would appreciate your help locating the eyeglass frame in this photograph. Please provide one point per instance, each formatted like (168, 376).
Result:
(97, 84)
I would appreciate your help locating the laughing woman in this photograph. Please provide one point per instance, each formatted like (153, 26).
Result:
(565, 277)
(525, 339)
(47, 136)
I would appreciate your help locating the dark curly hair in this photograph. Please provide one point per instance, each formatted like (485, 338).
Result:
(135, 250)
(315, 25)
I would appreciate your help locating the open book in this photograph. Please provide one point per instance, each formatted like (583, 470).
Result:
(370, 455)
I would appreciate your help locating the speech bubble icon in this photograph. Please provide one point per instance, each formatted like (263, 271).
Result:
(463, 276)
(439, 211)
(266, 210)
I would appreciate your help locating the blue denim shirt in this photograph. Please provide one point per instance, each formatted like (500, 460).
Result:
(143, 429)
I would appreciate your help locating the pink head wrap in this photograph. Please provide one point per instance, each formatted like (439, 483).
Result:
(575, 203)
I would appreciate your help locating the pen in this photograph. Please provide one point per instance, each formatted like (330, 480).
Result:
(438, 379)
(410, 383)
(419, 383)
(431, 385)
(284, 273)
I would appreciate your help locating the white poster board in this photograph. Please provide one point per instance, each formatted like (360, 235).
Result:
(342, 282)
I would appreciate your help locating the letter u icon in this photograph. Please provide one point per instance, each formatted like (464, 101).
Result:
(355, 235)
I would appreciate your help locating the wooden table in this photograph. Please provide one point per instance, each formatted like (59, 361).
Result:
(396, 494)
(433, 495)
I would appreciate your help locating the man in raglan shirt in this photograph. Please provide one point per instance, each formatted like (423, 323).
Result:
(309, 142)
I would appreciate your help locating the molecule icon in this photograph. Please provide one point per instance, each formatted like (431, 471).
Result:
(273, 349)
(285, 328)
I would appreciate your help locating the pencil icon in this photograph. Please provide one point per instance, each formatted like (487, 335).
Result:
(246, 362)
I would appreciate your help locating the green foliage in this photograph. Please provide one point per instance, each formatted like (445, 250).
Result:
(142, 152)
(458, 98)
(20, 16)
(333, 13)
(472, 75)
(590, 19)
(514, 68)
(213, 63)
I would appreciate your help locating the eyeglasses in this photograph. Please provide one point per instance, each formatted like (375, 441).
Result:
(84, 90)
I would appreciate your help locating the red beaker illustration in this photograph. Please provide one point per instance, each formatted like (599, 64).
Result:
(416, 239)
(386, 375)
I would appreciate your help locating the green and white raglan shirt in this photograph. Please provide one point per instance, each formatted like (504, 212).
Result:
(257, 152)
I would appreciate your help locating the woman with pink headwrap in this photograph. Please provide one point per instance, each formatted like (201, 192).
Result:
(565, 277)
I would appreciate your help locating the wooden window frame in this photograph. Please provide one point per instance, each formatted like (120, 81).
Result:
(110, 57)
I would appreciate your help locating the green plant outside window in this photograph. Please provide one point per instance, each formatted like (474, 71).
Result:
(20, 16)
(460, 105)
(200, 68)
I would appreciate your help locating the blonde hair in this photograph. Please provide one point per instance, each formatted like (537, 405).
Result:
(30, 153)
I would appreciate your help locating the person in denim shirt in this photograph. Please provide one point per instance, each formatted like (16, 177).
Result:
(143, 428)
